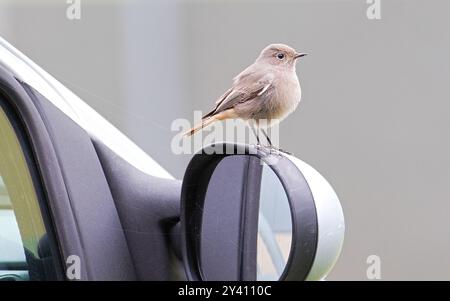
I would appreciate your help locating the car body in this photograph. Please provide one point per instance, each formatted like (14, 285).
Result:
(80, 166)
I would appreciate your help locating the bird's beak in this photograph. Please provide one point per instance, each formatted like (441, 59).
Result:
(298, 55)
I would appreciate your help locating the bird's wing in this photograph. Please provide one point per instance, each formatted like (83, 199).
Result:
(245, 87)
(249, 71)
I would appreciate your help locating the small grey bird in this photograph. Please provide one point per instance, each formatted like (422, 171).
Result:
(266, 90)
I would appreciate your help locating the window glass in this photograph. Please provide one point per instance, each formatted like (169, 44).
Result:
(24, 246)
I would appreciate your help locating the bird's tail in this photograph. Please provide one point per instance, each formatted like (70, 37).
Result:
(205, 122)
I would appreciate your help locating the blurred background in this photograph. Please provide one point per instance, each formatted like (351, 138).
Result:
(374, 117)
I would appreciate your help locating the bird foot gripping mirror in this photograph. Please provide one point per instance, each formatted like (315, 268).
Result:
(252, 213)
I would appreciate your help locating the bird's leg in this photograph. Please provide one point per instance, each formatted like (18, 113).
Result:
(272, 148)
(267, 137)
(255, 132)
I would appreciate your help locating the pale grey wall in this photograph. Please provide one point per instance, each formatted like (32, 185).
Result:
(375, 116)
(154, 76)
(84, 55)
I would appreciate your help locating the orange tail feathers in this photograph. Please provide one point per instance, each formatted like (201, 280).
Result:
(205, 122)
(211, 119)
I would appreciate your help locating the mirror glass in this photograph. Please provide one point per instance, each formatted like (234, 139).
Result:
(274, 227)
(246, 223)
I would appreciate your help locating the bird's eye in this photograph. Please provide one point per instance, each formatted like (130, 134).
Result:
(280, 56)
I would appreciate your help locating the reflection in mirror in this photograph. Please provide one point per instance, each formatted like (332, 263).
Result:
(274, 227)
(246, 222)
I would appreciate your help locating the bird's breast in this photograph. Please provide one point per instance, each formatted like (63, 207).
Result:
(286, 98)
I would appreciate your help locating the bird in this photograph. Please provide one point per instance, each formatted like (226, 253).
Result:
(268, 89)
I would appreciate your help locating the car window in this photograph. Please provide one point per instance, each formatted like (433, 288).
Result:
(24, 246)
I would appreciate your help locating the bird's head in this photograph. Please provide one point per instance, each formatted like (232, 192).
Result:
(279, 55)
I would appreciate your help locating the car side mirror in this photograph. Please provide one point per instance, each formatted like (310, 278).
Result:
(249, 213)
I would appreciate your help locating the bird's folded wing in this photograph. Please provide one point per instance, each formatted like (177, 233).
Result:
(247, 88)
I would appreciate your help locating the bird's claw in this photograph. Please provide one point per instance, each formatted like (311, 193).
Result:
(272, 150)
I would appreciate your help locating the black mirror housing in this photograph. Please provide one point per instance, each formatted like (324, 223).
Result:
(315, 213)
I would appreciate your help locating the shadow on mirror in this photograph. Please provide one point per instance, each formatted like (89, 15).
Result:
(246, 230)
